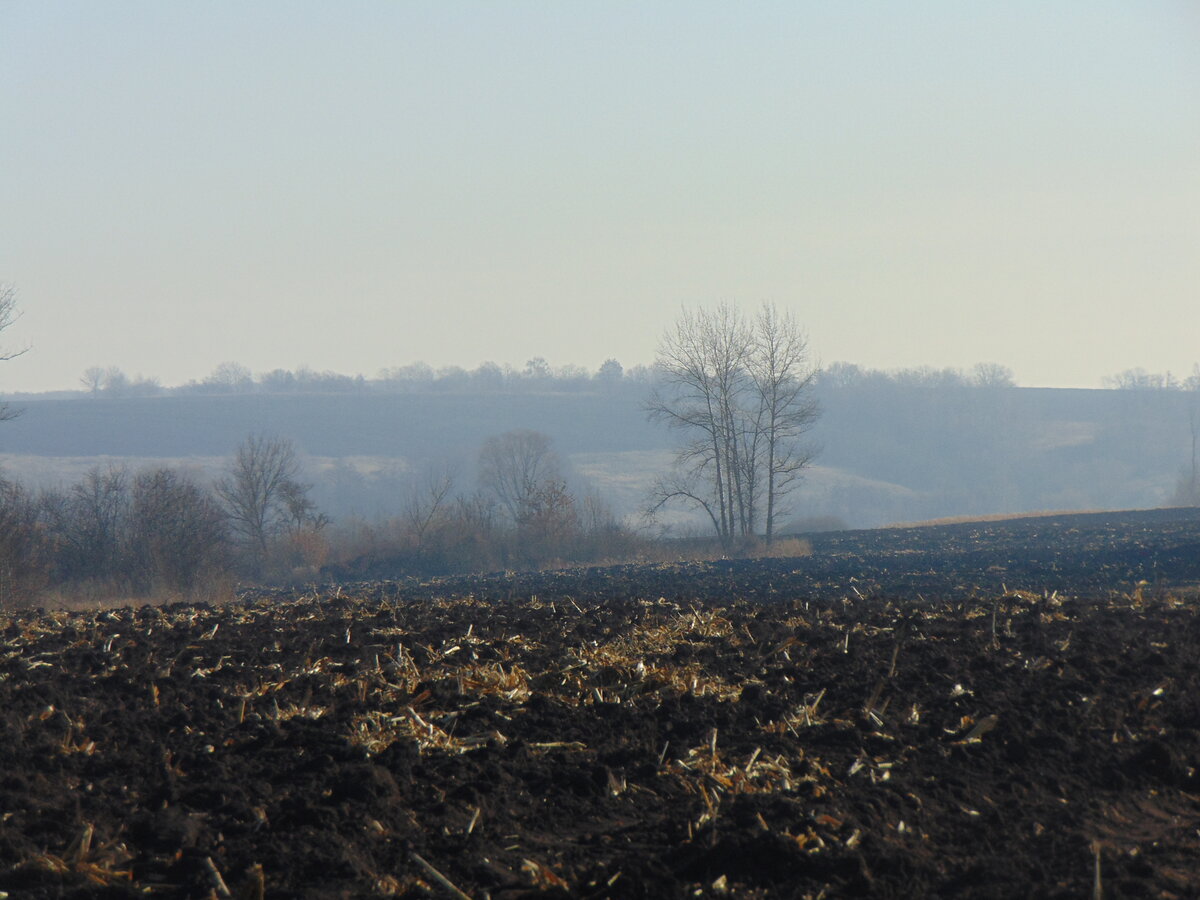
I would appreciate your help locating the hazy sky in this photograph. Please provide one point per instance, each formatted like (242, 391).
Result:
(355, 186)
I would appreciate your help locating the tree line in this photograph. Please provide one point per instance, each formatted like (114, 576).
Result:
(538, 375)
(161, 532)
(108, 382)
(1142, 380)
(988, 375)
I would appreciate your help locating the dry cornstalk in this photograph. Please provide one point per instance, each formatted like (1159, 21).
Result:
(753, 757)
(437, 876)
(873, 701)
(81, 847)
(214, 875)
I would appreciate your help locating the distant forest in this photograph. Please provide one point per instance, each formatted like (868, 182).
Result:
(111, 382)
(537, 375)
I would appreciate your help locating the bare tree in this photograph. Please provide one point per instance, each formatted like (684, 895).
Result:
(261, 494)
(113, 382)
(300, 513)
(230, 377)
(513, 466)
(548, 523)
(1136, 380)
(741, 392)
(783, 379)
(702, 366)
(8, 315)
(92, 380)
(90, 524)
(993, 375)
(428, 503)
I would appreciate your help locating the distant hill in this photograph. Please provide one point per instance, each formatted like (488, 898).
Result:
(887, 453)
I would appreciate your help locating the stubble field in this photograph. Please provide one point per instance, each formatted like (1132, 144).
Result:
(1006, 709)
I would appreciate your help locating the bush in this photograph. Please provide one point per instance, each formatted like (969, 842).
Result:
(157, 534)
(178, 537)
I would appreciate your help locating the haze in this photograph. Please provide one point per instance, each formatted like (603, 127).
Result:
(362, 185)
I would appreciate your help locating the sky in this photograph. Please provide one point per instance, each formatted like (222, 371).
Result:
(361, 185)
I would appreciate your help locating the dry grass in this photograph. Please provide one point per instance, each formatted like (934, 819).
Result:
(784, 548)
(995, 517)
(88, 596)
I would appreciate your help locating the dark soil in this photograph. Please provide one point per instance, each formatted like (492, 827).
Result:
(1003, 710)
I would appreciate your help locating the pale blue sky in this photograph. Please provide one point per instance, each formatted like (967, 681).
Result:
(354, 186)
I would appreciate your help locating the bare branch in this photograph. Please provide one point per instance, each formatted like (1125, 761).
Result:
(9, 314)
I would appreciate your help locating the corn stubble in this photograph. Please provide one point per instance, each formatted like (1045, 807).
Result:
(584, 744)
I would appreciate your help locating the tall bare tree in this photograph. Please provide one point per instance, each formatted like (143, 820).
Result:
(514, 466)
(261, 494)
(740, 390)
(783, 380)
(702, 366)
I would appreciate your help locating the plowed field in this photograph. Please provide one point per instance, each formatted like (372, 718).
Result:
(1002, 710)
